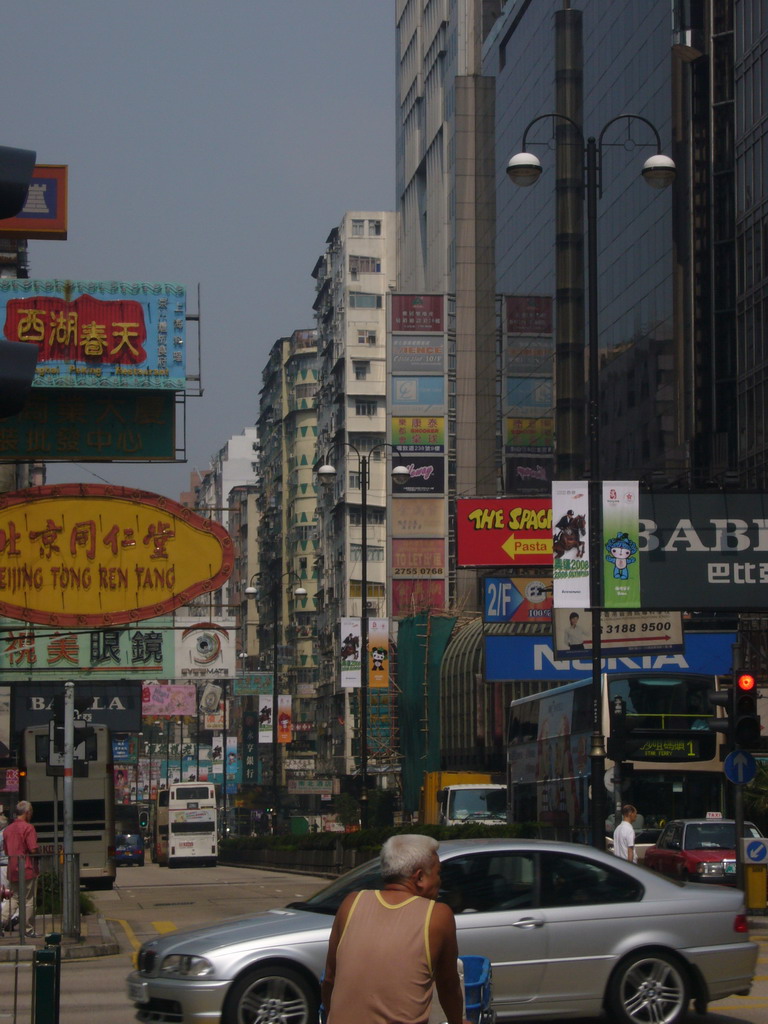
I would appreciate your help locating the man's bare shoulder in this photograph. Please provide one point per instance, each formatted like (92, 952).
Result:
(442, 914)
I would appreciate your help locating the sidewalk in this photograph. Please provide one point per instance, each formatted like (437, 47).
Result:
(96, 940)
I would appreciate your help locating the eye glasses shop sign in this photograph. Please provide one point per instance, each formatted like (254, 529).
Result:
(704, 551)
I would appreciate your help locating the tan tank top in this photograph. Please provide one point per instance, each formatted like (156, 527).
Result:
(383, 964)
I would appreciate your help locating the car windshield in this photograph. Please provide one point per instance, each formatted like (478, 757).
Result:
(716, 835)
(133, 842)
(329, 899)
(478, 803)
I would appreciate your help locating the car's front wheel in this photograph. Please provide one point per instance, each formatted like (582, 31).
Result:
(271, 995)
(648, 988)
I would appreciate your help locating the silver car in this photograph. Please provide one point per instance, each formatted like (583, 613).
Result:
(569, 930)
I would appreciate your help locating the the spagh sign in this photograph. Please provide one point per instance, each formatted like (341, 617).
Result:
(94, 555)
(504, 531)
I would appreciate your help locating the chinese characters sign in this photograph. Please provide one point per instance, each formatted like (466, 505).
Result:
(94, 555)
(417, 313)
(418, 433)
(99, 334)
(85, 426)
(145, 650)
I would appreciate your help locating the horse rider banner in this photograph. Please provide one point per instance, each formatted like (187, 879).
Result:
(570, 544)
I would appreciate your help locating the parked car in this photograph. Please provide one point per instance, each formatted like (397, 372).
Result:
(569, 930)
(698, 849)
(129, 849)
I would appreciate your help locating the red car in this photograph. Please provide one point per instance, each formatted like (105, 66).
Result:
(698, 849)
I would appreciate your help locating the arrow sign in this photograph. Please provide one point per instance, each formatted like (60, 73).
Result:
(754, 851)
(740, 767)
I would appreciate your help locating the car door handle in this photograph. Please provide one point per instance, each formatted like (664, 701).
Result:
(528, 922)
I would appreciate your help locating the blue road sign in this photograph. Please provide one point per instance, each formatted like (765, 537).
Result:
(740, 767)
(755, 851)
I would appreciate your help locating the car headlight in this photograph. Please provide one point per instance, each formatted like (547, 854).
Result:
(186, 966)
(714, 867)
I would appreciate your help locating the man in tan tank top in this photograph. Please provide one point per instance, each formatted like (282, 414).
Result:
(389, 947)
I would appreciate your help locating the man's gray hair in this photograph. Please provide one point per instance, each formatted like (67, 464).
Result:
(401, 855)
(22, 807)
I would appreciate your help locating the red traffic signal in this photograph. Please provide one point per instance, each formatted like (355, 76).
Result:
(746, 720)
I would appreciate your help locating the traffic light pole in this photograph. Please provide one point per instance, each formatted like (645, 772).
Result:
(738, 795)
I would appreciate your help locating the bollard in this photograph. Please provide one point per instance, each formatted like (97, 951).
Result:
(44, 989)
(755, 886)
(53, 942)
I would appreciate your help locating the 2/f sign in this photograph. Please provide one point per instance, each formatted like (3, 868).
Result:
(520, 599)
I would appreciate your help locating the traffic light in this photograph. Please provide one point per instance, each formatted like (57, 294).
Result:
(143, 819)
(722, 699)
(16, 167)
(746, 720)
(18, 362)
(617, 738)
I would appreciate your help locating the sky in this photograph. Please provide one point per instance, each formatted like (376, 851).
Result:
(212, 144)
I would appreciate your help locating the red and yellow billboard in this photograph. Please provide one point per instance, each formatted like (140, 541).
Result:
(504, 531)
(95, 555)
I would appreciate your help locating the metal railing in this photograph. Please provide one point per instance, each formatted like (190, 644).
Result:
(58, 876)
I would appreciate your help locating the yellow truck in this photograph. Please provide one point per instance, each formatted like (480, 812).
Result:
(460, 798)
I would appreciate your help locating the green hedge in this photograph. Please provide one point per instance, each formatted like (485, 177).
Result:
(373, 838)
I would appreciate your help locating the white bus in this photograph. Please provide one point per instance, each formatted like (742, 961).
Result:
(185, 825)
(93, 799)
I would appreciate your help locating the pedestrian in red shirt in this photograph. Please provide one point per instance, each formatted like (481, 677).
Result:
(20, 840)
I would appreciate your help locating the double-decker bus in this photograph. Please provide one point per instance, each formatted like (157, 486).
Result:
(185, 825)
(93, 802)
(671, 764)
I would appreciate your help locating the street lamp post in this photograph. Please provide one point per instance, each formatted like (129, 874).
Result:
(658, 171)
(327, 474)
(252, 592)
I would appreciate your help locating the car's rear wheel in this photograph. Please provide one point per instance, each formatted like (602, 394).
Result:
(271, 995)
(648, 988)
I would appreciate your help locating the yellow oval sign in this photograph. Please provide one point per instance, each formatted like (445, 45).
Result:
(95, 555)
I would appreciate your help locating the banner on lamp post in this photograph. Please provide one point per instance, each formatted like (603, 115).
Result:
(284, 718)
(570, 559)
(620, 539)
(378, 653)
(351, 662)
(265, 718)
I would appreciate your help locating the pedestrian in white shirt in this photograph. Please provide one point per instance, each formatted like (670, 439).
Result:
(624, 834)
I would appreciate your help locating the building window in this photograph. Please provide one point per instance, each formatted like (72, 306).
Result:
(354, 481)
(366, 337)
(373, 590)
(364, 300)
(375, 553)
(361, 370)
(363, 408)
(375, 517)
(374, 228)
(364, 265)
(358, 228)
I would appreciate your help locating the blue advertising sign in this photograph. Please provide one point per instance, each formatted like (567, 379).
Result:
(418, 394)
(508, 658)
(98, 334)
